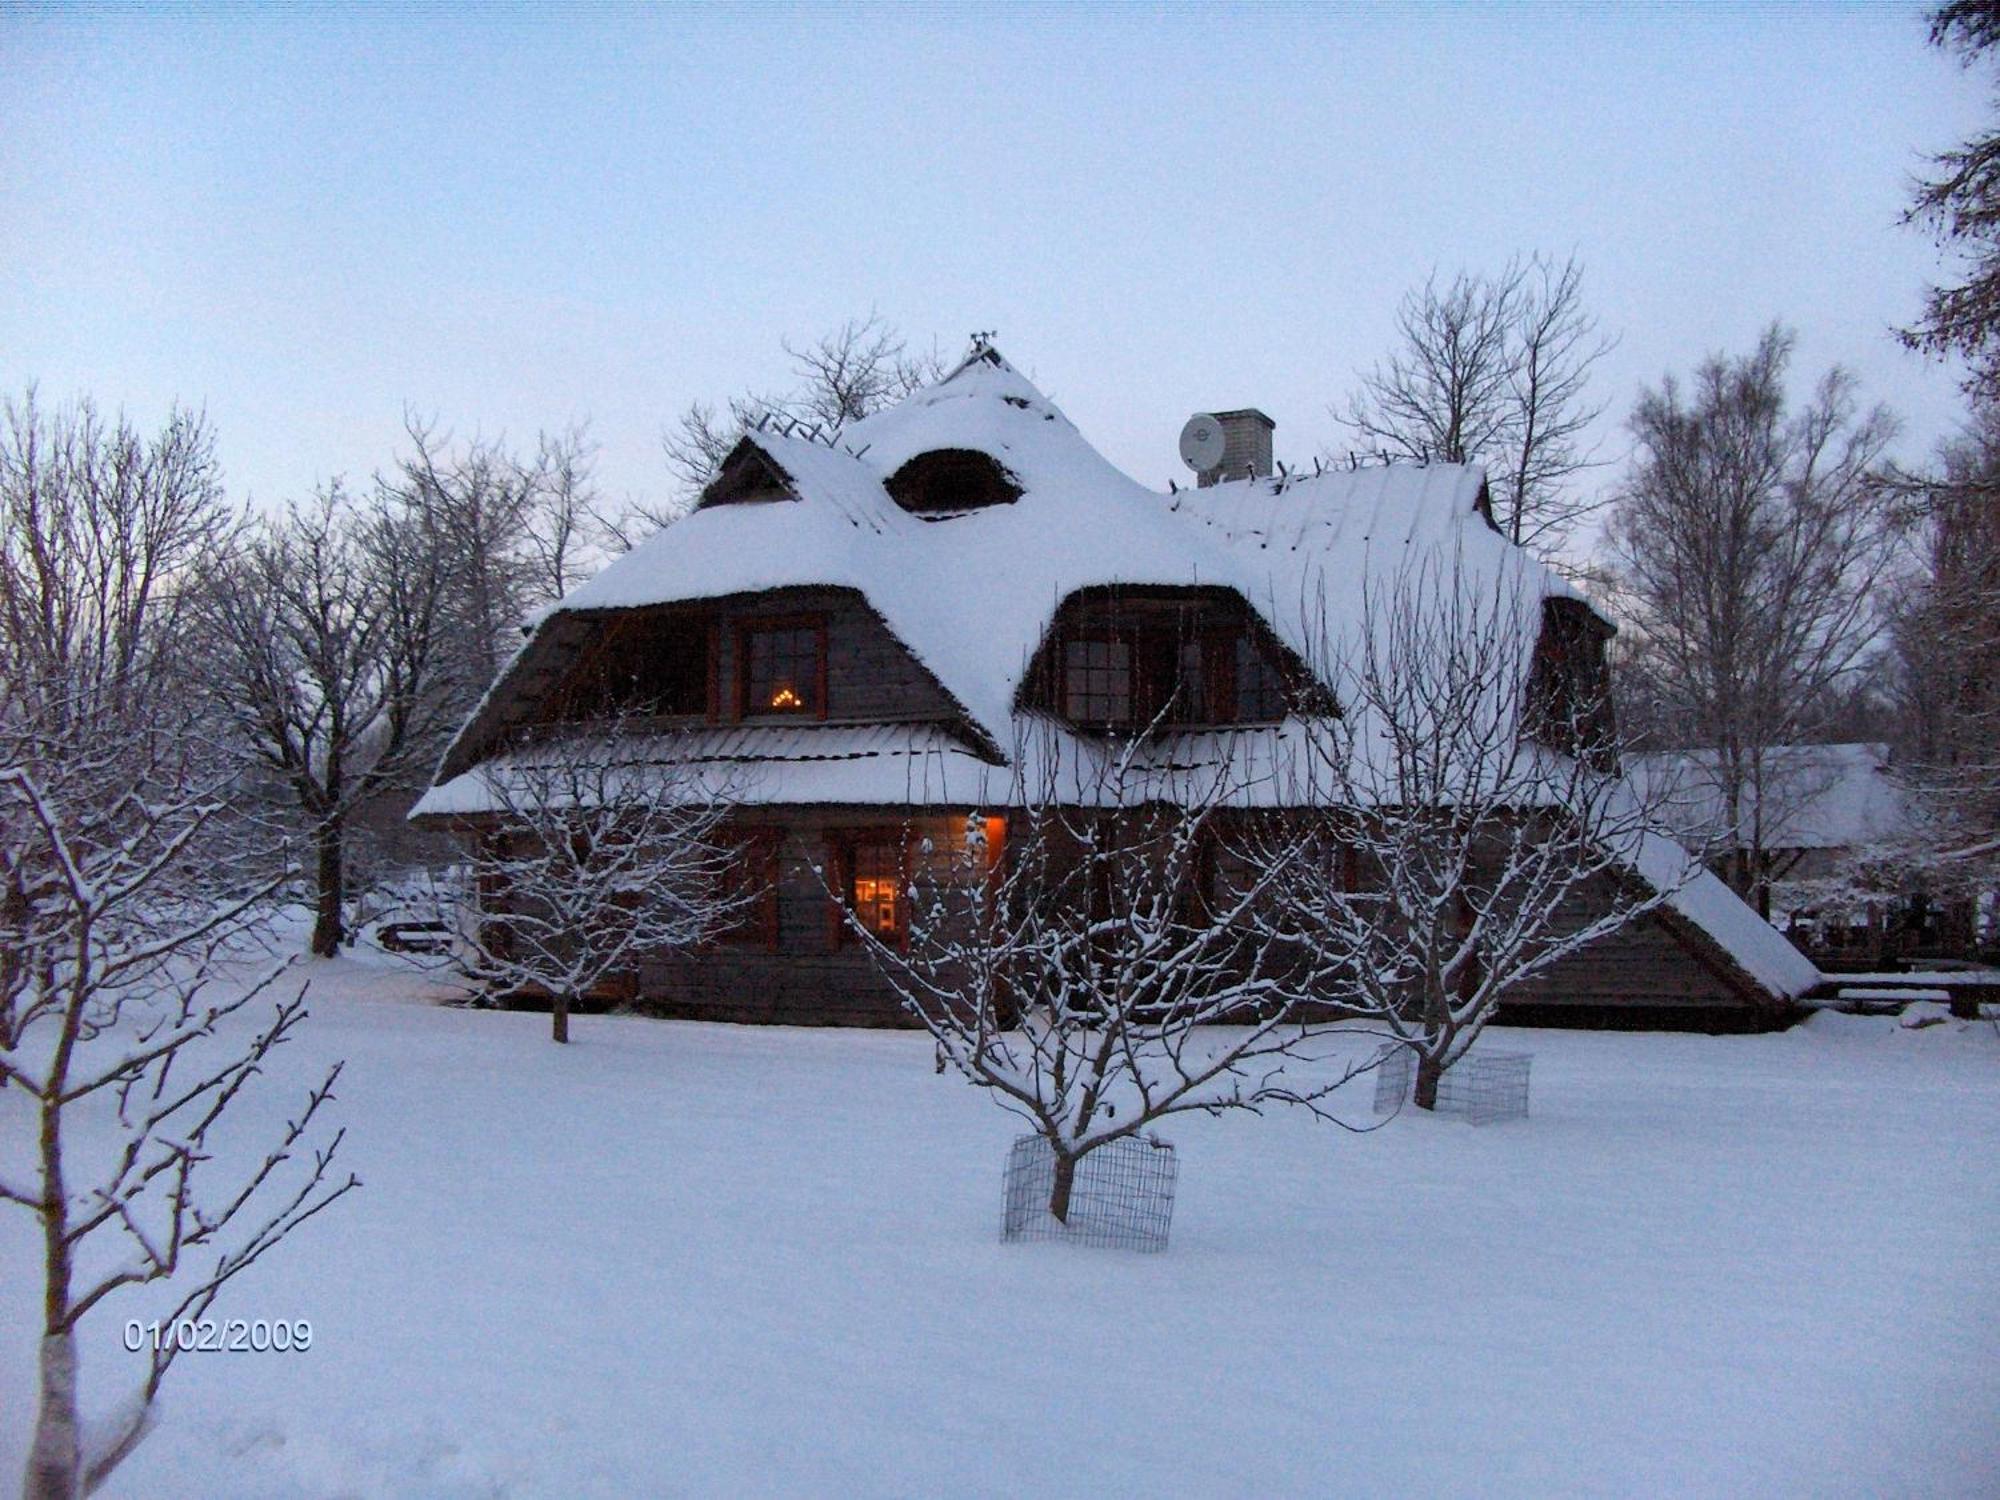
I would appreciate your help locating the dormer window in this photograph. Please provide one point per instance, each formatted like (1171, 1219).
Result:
(1097, 680)
(1178, 659)
(782, 668)
(951, 481)
(1569, 682)
(651, 662)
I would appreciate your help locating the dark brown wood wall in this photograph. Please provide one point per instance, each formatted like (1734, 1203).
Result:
(1655, 964)
(870, 676)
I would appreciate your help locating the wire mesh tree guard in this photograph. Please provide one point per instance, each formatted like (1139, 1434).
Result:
(1481, 1086)
(1123, 1197)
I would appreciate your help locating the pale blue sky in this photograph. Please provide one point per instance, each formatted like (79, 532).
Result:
(513, 219)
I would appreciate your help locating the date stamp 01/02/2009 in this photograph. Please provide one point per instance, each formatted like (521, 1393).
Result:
(221, 1336)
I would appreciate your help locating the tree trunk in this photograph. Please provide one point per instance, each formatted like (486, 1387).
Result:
(55, 1456)
(559, 1024)
(1064, 1184)
(331, 875)
(55, 1461)
(1428, 1074)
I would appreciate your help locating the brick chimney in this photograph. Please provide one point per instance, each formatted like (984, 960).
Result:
(1246, 452)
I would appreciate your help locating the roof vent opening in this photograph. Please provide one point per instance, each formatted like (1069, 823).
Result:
(747, 474)
(1228, 445)
(951, 481)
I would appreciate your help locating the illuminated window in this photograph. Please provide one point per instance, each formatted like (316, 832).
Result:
(1097, 681)
(1260, 690)
(783, 668)
(875, 882)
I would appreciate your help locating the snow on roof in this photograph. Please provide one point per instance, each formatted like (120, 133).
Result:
(915, 765)
(1819, 796)
(845, 764)
(972, 595)
(1752, 943)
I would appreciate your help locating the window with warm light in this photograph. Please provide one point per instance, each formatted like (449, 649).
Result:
(875, 886)
(783, 669)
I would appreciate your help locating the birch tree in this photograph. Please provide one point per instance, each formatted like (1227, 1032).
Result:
(106, 537)
(1754, 547)
(510, 530)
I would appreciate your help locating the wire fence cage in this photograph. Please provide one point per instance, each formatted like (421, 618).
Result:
(1122, 1199)
(1482, 1086)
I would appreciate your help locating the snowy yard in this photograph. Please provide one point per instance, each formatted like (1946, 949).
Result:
(687, 1259)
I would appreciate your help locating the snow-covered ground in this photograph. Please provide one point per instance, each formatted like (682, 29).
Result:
(685, 1259)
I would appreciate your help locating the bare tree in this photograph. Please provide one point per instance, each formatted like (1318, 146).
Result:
(113, 998)
(105, 538)
(1944, 673)
(1961, 207)
(510, 531)
(1493, 370)
(1080, 972)
(1473, 830)
(326, 634)
(115, 908)
(842, 376)
(594, 851)
(1753, 547)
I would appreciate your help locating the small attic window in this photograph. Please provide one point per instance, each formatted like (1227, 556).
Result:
(950, 481)
(748, 474)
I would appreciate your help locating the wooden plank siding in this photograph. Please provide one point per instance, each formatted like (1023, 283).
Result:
(810, 979)
(1659, 965)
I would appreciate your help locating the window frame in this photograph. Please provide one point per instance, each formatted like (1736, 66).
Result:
(844, 845)
(584, 688)
(1098, 636)
(1247, 645)
(751, 625)
(760, 845)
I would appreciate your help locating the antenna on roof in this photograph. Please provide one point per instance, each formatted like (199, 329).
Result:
(1203, 443)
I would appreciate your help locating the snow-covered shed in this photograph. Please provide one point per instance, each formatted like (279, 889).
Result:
(866, 632)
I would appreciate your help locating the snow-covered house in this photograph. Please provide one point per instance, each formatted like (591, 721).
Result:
(867, 631)
(1837, 829)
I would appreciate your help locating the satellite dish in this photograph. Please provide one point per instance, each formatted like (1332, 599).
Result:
(1202, 442)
